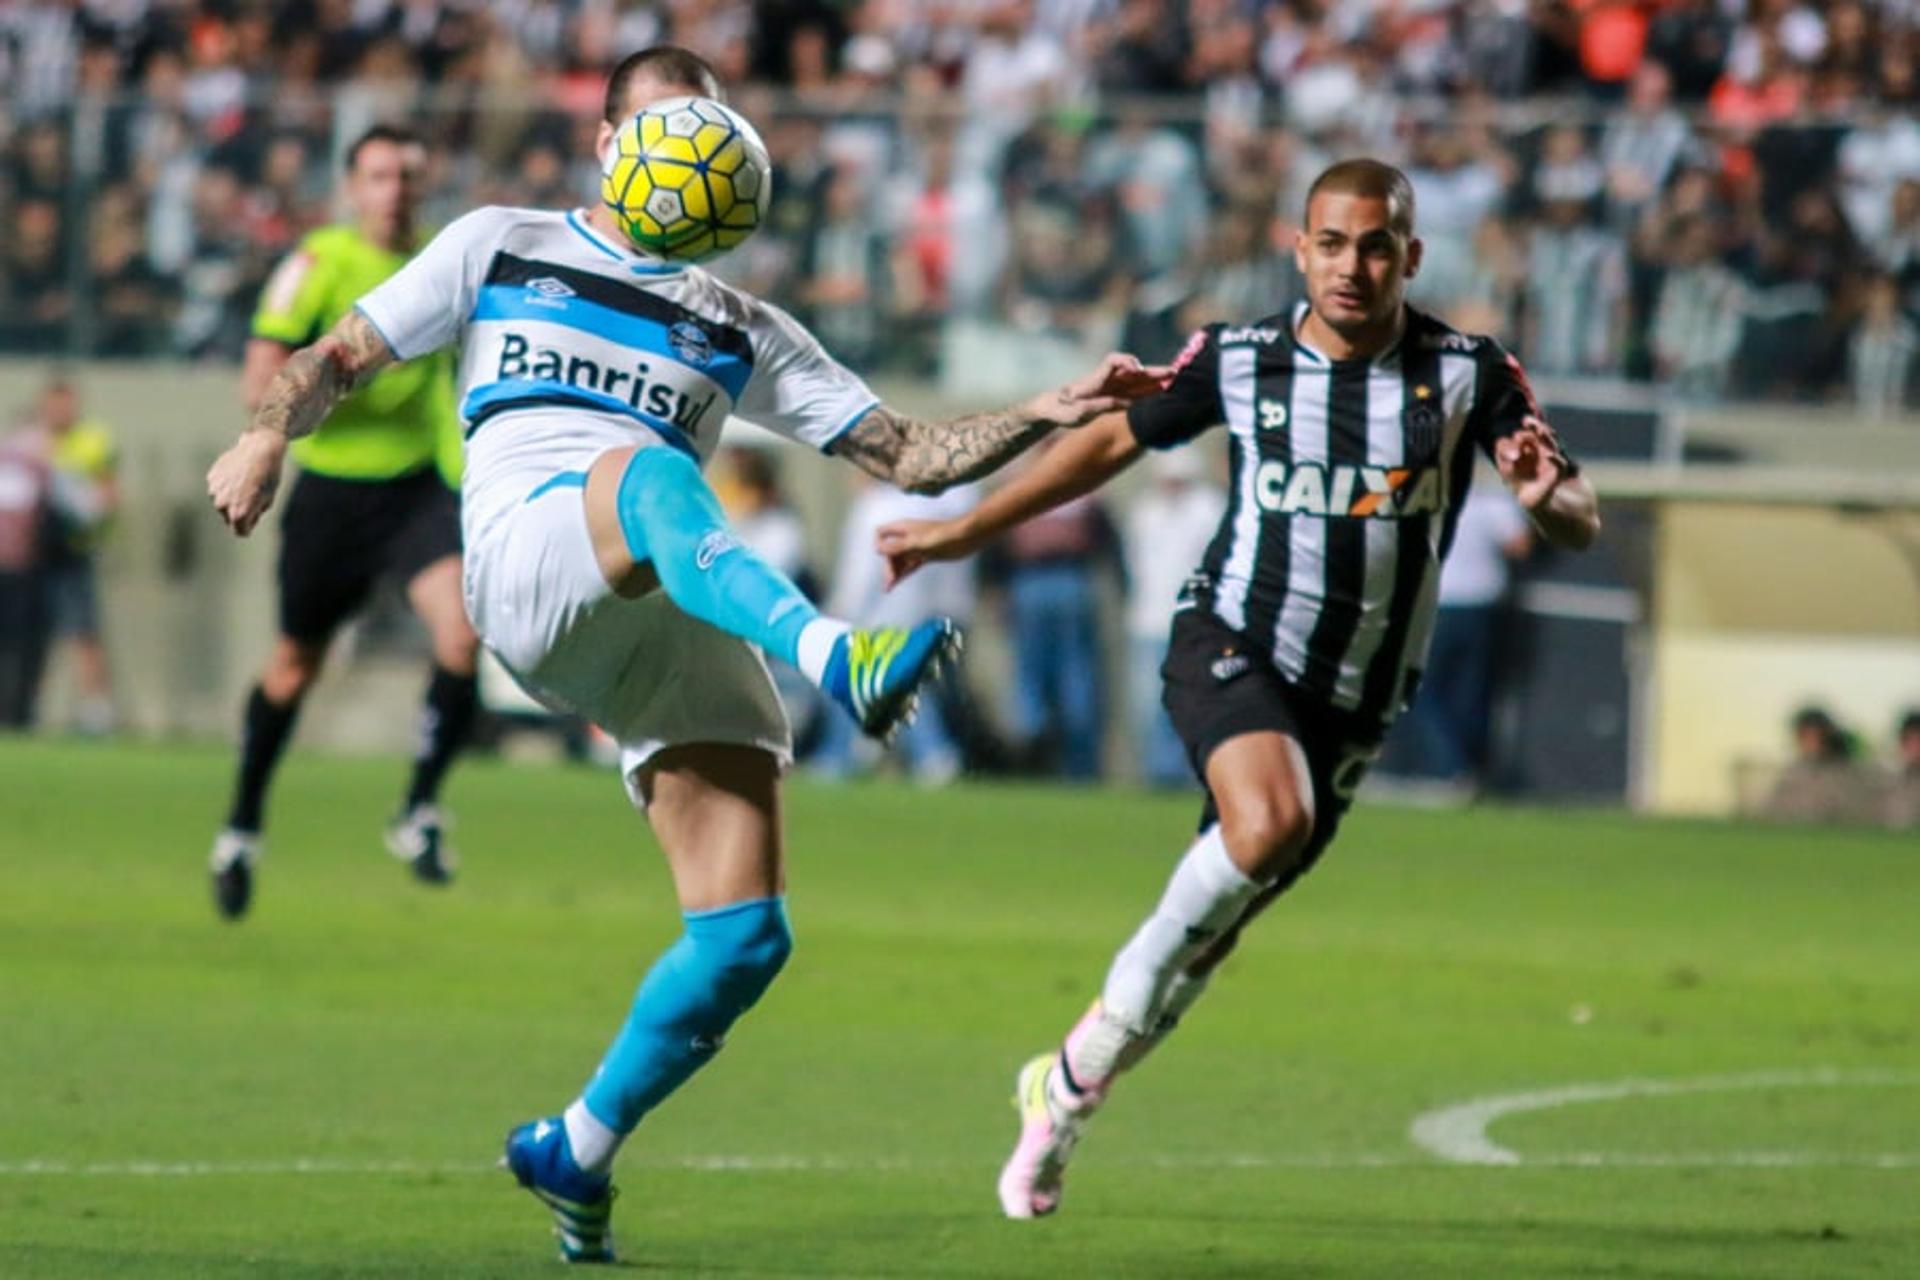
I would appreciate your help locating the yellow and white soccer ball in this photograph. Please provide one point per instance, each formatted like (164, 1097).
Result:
(687, 178)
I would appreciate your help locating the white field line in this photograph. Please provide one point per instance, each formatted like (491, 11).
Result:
(831, 1165)
(1457, 1134)
(1452, 1135)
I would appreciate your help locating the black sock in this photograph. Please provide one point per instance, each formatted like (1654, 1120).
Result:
(446, 720)
(263, 737)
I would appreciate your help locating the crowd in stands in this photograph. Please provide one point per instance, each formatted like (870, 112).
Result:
(1723, 195)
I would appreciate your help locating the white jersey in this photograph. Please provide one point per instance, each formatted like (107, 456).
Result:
(572, 344)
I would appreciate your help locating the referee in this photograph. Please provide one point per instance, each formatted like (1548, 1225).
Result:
(373, 501)
(1352, 424)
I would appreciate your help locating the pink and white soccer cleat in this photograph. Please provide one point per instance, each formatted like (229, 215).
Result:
(1030, 1183)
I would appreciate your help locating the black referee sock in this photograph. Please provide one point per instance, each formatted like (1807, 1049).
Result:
(263, 737)
(446, 721)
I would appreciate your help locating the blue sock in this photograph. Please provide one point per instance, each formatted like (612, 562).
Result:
(712, 975)
(671, 519)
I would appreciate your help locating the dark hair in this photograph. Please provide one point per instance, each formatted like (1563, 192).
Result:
(667, 63)
(1374, 178)
(398, 134)
(1909, 723)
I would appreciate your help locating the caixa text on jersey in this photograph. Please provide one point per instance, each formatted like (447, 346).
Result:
(1378, 493)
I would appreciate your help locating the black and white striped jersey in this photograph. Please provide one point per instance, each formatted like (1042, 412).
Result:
(1347, 480)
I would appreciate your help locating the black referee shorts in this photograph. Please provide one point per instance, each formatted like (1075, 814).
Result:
(1217, 685)
(340, 537)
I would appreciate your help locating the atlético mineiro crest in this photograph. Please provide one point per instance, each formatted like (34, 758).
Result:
(1425, 422)
(691, 343)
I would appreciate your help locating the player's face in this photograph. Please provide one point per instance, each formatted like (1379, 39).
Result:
(643, 91)
(384, 185)
(1355, 263)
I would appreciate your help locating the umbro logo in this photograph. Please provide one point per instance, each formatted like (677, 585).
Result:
(548, 287)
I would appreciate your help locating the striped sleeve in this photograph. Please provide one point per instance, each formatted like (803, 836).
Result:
(1504, 400)
(1191, 403)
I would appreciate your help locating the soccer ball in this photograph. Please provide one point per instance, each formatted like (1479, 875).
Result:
(687, 178)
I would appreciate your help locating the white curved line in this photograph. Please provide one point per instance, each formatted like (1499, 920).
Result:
(1458, 1133)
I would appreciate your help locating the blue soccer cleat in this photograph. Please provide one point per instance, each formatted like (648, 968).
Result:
(876, 673)
(582, 1203)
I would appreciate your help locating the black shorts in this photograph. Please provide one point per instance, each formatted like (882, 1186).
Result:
(340, 537)
(1218, 685)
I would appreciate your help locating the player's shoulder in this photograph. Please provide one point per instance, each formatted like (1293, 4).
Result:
(728, 304)
(1428, 332)
(502, 222)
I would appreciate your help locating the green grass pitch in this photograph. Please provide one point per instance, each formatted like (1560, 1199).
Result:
(320, 1092)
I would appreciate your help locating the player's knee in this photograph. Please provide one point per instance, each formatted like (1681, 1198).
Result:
(1266, 835)
(745, 945)
(291, 669)
(660, 509)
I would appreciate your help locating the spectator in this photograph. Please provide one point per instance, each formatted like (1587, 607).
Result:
(1156, 179)
(1698, 319)
(25, 497)
(1450, 722)
(1642, 145)
(1882, 350)
(1823, 783)
(842, 288)
(932, 746)
(1051, 567)
(1576, 271)
(85, 496)
(38, 297)
(1168, 528)
(1903, 792)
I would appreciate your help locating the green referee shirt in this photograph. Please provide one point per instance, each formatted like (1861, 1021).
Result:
(401, 421)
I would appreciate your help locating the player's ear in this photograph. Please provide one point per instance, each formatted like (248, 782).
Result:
(1414, 251)
(1300, 249)
(602, 139)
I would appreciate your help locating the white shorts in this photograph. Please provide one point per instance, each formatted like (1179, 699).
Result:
(648, 674)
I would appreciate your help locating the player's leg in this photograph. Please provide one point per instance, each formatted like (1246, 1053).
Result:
(1264, 828)
(325, 573)
(655, 521)
(452, 701)
(715, 811)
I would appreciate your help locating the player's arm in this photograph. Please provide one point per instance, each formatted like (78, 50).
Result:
(1560, 500)
(930, 456)
(1544, 480)
(1077, 465)
(264, 358)
(297, 399)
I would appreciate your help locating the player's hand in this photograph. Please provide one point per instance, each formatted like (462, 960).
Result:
(242, 480)
(1119, 380)
(907, 544)
(1530, 462)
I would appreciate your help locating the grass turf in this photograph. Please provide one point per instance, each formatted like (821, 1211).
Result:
(387, 1034)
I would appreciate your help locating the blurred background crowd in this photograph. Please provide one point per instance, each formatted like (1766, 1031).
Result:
(1716, 200)
(1720, 196)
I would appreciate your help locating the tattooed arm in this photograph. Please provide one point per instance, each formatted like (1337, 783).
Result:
(927, 457)
(312, 381)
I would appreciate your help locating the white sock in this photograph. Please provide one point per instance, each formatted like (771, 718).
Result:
(1204, 897)
(593, 1144)
(817, 639)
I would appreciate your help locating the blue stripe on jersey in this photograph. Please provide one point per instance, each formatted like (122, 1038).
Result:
(528, 393)
(516, 302)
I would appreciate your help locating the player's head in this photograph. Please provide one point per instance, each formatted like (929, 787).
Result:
(1356, 248)
(663, 71)
(385, 168)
